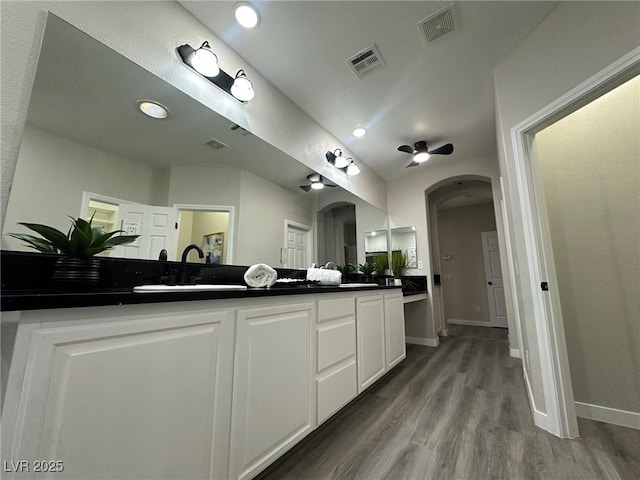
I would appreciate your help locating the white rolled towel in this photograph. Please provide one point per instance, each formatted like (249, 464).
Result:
(324, 276)
(260, 275)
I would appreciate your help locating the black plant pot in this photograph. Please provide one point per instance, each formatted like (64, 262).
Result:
(76, 273)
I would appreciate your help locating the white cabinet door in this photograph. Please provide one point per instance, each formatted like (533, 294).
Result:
(273, 388)
(140, 396)
(370, 340)
(394, 324)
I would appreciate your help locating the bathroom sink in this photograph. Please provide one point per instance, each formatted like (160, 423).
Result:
(352, 285)
(185, 288)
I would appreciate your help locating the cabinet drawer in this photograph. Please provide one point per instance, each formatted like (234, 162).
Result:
(336, 390)
(335, 308)
(335, 343)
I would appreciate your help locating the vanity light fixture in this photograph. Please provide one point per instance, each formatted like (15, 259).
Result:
(205, 62)
(359, 132)
(353, 169)
(346, 164)
(153, 109)
(247, 15)
(242, 87)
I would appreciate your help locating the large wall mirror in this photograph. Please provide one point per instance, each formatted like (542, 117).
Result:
(87, 150)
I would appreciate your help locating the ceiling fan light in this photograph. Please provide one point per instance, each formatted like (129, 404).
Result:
(353, 169)
(421, 157)
(204, 61)
(317, 185)
(242, 87)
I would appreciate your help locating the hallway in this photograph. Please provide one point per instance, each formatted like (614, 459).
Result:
(458, 411)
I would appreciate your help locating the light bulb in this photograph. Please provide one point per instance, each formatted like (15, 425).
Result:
(341, 161)
(359, 132)
(205, 62)
(353, 169)
(242, 87)
(317, 185)
(153, 109)
(247, 15)
(421, 157)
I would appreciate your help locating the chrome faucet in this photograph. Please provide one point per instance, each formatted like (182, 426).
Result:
(330, 266)
(182, 271)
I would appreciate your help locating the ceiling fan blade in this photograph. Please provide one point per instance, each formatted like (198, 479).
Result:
(406, 149)
(306, 188)
(443, 150)
(327, 185)
(412, 164)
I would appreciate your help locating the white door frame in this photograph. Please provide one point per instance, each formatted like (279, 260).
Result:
(309, 240)
(560, 417)
(231, 228)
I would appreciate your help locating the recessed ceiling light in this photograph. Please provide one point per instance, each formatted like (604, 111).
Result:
(359, 132)
(247, 15)
(153, 109)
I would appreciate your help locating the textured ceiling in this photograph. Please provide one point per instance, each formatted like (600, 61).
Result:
(440, 92)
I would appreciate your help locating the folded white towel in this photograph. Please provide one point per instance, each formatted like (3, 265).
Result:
(260, 275)
(324, 276)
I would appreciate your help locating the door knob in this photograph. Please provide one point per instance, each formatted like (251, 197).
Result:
(490, 283)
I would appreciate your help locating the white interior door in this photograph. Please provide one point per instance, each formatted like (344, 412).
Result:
(157, 229)
(297, 246)
(493, 275)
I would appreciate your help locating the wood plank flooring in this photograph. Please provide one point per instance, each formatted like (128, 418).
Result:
(459, 411)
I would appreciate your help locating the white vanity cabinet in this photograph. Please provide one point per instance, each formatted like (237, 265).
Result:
(205, 389)
(336, 375)
(141, 391)
(394, 329)
(273, 388)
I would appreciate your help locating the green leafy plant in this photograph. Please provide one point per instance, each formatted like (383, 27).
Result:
(82, 241)
(367, 268)
(399, 263)
(346, 269)
(381, 263)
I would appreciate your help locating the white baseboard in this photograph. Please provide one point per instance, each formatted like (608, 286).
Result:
(427, 342)
(458, 321)
(514, 352)
(608, 415)
(444, 332)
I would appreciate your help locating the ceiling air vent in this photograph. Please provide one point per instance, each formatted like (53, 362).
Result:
(218, 145)
(366, 61)
(438, 24)
(238, 129)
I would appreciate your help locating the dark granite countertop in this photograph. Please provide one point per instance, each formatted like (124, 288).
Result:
(43, 299)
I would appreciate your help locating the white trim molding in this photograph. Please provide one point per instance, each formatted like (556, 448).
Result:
(560, 416)
(425, 342)
(459, 321)
(514, 352)
(608, 415)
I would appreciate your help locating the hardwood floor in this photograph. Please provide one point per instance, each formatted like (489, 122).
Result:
(459, 411)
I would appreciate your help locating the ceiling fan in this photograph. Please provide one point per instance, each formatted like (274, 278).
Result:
(316, 182)
(421, 152)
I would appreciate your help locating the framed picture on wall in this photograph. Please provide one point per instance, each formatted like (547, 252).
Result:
(213, 247)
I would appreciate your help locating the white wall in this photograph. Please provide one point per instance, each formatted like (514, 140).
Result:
(592, 188)
(264, 206)
(569, 46)
(52, 167)
(148, 33)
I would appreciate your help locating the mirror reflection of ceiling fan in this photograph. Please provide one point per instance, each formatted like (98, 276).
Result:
(421, 152)
(316, 182)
